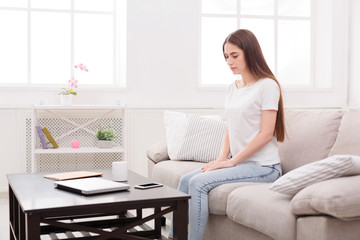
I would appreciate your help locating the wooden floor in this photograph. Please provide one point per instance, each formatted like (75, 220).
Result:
(4, 218)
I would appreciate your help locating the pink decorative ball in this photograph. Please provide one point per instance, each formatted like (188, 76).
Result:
(75, 144)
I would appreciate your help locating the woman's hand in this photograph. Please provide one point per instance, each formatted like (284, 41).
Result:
(213, 165)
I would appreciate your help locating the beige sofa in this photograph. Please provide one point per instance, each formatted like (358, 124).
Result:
(253, 211)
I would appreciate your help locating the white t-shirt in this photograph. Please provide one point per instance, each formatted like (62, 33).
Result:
(243, 113)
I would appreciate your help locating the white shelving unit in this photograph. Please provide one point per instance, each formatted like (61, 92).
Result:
(76, 122)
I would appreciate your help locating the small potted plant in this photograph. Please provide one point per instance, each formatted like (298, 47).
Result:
(105, 137)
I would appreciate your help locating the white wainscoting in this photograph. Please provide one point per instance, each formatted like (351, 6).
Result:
(12, 143)
(145, 126)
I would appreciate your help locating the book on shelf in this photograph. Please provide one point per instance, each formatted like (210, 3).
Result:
(50, 138)
(72, 175)
(42, 137)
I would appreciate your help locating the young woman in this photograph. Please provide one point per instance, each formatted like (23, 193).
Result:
(255, 122)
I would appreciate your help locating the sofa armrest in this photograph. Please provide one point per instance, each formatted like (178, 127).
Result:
(338, 197)
(158, 152)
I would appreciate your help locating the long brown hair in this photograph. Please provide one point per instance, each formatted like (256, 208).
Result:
(247, 41)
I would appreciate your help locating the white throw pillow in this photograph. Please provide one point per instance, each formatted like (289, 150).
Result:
(331, 167)
(175, 127)
(193, 137)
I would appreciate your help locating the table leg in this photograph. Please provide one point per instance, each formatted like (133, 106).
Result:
(157, 221)
(11, 214)
(32, 226)
(21, 223)
(181, 220)
(16, 218)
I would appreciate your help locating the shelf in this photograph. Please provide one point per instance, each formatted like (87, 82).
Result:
(77, 107)
(67, 123)
(79, 150)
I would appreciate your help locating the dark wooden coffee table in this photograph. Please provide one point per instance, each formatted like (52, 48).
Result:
(37, 208)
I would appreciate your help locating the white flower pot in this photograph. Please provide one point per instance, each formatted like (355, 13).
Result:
(105, 144)
(66, 99)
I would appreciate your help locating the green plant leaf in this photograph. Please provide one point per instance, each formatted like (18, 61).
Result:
(105, 134)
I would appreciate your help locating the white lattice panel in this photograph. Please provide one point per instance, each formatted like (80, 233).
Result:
(28, 144)
(82, 125)
(77, 161)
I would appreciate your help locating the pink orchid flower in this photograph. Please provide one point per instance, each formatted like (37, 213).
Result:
(72, 84)
(82, 67)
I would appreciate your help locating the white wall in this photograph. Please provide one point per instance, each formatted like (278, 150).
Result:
(354, 58)
(162, 62)
(163, 57)
(11, 145)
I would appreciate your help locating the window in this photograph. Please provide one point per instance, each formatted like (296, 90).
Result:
(43, 39)
(283, 28)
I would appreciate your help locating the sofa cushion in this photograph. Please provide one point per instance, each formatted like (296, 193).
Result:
(327, 228)
(331, 167)
(220, 227)
(218, 196)
(347, 141)
(338, 197)
(264, 210)
(310, 135)
(170, 172)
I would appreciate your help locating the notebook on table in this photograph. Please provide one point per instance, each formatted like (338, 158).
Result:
(88, 186)
(72, 175)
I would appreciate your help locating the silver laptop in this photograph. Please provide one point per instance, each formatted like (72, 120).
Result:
(88, 186)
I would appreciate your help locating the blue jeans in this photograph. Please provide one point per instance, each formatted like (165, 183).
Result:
(198, 185)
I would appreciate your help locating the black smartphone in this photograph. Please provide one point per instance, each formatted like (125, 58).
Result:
(148, 185)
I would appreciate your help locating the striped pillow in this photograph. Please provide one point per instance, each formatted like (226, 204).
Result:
(331, 167)
(193, 137)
